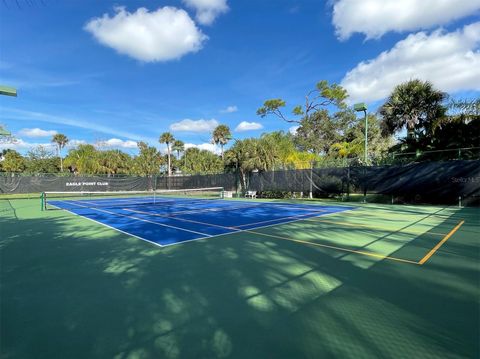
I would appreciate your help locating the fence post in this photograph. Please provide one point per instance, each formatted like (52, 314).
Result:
(348, 183)
(237, 179)
(310, 195)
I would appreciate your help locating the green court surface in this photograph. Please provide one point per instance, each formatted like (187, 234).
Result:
(381, 281)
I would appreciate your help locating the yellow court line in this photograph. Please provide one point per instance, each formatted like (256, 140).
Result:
(372, 227)
(396, 214)
(370, 254)
(439, 244)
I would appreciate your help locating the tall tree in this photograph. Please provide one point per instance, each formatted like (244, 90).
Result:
(468, 109)
(168, 139)
(41, 160)
(113, 162)
(300, 160)
(245, 156)
(221, 135)
(61, 141)
(178, 146)
(317, 127)
(84, 159)
(321, 97)
(148, 161)
(13, 162)
(459, 129)
(415, 105)
(351, 145)
(281, 146)
(202, 161)
(318, 132)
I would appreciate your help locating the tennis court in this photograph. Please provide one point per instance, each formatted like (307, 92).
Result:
(164, 219)
(161, 276)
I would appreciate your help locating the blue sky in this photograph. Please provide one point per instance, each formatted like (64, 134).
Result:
(113, 73)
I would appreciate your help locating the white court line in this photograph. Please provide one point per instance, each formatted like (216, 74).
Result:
(259, 227)
(180, 219)
(235, 228)
(200, 238)
(240, 207)
(219, 209)
(141, 219)
(106, 225)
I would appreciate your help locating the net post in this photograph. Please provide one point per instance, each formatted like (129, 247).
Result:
(42, 201)
(222, 193)
(459, 201)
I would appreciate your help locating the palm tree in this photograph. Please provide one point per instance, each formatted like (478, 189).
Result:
(60, 140)
(246, 156)
(167, 138)
(148, 161)
(85, 158)
(415, 105)
(113, 162)
(221, 136)
(202, 161)
(178, 146)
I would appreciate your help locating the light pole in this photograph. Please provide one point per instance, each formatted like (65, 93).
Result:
(362, 107)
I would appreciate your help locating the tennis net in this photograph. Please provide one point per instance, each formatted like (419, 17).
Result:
(86, 199)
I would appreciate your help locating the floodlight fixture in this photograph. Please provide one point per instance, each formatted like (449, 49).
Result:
(8, 91)
(362, 107)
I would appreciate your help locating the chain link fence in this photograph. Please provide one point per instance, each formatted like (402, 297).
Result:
(442, 182)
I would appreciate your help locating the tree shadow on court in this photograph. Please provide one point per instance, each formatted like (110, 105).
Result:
(74, 289)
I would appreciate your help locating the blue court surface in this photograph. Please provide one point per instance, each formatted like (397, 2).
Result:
(174, 221)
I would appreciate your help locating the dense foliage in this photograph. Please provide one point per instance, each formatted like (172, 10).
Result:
(327, 133)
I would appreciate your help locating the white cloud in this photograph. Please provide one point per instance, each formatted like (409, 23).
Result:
(451, 61)
(229, 109)
(75, 143)
(36, 132)
(165, 34)
(293, 129)
(117, 143)
(377, 17)
(20, 145)
(248, 126)
(205, 146)
(207, 10)
(31, 116)
(188, 125)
